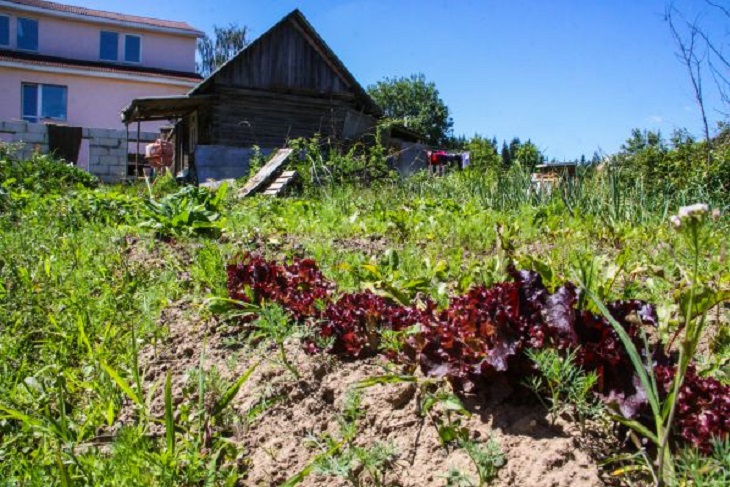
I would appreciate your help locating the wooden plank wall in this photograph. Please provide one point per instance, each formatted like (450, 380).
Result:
(267, 120)
(282, 59)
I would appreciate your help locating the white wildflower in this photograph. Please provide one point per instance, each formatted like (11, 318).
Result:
(715, 214)
(698, 209)
(674, 220)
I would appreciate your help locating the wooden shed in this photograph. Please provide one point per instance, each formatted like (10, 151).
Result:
(286, 84)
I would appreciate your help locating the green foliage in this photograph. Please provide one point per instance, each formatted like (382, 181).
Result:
(39, 175)
(700, 470)
(682, 164)
(446, 412)
(567, 388)
(256, 161)
(487, 458)
(483, 156)
(82, 287)
(275, 324)
(188, 211)
(416, 104)
(323, 163)
(344, 458)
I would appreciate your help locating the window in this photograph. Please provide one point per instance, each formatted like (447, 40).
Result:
(4, 30)
(132, 48)
(43, 102)
(108, 46)
(27, 34)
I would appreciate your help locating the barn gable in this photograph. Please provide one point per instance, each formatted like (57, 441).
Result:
(290, 58)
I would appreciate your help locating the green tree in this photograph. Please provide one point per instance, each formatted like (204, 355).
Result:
(506, 156)
(415, 103)
(483, 154)
(528, 155)
(226, 43)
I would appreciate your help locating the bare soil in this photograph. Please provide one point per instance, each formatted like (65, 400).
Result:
(278, 443)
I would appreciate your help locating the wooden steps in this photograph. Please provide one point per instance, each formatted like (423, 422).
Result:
(266, 173)
(280, 183)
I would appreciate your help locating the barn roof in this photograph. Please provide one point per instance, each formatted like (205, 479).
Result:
(299, 22)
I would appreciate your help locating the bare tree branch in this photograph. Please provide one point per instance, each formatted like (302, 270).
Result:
(722, 8)
(688, 55)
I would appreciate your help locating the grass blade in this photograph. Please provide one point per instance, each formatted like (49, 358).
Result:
(231, 392)
(633, 355)
(169, 420)
(123, 385)
(384, 379)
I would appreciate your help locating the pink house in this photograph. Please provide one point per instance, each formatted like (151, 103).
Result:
(79, 67)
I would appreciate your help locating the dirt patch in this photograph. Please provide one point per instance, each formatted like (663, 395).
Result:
(278, 443)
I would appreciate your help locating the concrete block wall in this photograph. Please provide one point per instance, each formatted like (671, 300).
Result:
(107, 148)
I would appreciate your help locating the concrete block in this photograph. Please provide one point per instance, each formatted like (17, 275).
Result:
(14, 126)
(109, 160)
(31, 138)
(36, 128)
(95, 133)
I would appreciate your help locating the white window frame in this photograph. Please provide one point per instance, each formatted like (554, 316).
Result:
(39, 102)
(38, 34)
(7, 17)
(124, 53)
(116, 59)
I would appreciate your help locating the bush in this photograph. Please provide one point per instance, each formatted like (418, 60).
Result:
(41, 174)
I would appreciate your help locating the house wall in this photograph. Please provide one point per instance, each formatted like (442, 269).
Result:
(92, 101)
(80, 40)
(105, 152)
(241, 118)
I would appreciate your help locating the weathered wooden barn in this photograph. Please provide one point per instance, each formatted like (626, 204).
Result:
(286, 84)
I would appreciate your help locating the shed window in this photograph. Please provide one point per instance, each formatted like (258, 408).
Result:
(27, 34)
(132, 48)
(4, 30)
(108, 46)
(44, 102)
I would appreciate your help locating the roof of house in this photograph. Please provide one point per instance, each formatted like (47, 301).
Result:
(298, 19)
(101, 14)
(30, 59)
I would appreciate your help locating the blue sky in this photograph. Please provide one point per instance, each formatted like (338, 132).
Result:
(574, 76)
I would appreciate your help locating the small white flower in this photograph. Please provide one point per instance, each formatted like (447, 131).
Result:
(715, 214)
(674, 220)
(698, 209)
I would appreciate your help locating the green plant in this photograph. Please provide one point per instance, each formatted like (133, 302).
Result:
(458, 478)
(691, 222)
(694, 468)
(445, 410)
(487, 458)
(568, 388)
(256, 161)
(191, 210)
(273, 323)
(343, 458)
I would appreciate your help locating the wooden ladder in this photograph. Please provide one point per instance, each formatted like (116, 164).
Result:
(280, 183)
(266, 173)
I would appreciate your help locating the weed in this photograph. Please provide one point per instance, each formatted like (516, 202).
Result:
(568, 388)
(487, 458)
(275, 324)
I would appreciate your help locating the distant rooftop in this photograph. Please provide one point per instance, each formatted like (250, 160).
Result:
(101, 14)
